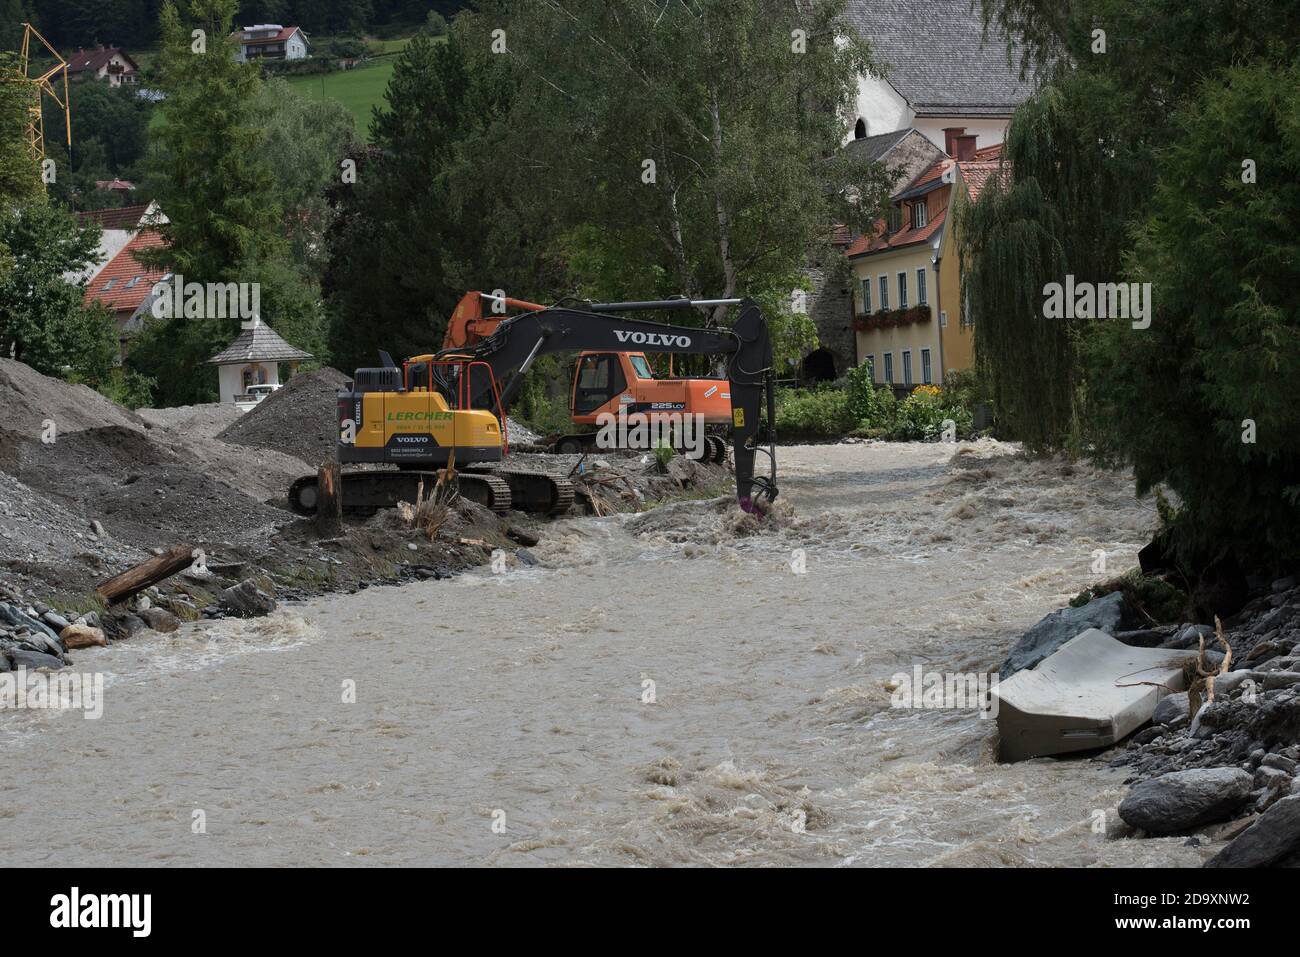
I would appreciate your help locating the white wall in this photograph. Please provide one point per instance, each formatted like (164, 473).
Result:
(989, 131)
(885, 111)
(295, 48)
(230, 378)
(881, 107)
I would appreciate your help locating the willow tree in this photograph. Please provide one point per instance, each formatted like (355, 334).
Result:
(1083, 158)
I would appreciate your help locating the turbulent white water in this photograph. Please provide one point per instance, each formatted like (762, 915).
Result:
(503, 719)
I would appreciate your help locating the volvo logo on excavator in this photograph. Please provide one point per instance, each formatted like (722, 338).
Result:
(652, 339)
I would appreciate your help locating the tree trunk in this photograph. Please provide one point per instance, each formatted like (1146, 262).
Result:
(720, 207)
(329, 500)
(121, 587)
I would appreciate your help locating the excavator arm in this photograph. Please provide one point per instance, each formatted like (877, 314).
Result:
(518, 341)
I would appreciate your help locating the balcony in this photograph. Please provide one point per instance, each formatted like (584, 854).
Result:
(892, 318)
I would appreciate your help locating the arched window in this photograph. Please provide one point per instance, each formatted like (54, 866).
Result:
(860, 130)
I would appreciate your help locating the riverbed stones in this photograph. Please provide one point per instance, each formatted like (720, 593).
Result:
(1183, 800)
(246, 600)
(1056, 629)
(1271, 838)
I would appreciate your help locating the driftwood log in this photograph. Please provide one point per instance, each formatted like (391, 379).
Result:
(121, 587)
(329, 500)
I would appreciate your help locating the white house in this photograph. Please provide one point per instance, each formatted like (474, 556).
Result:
(940, 72)
(270, 41)
(253, 359)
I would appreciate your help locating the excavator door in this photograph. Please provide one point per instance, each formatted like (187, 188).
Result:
(597, 382)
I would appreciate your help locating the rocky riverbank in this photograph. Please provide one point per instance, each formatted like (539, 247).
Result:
(1217, 763)
(89, 489)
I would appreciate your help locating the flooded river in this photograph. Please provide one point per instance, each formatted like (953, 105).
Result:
(661, 689)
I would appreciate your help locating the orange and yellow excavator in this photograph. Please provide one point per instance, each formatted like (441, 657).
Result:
(606, 383)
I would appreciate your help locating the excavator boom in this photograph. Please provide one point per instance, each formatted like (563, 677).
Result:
(517, 342)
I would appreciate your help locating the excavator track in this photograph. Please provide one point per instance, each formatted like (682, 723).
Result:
(535, 492)
(365, 493)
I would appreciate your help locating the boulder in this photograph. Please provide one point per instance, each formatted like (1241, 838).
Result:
(1056, 629)
(1183, 800)
(1172, 708)
(246, 600)
(1271, 838)
(31, 660)
(160, 619)
(82, 636)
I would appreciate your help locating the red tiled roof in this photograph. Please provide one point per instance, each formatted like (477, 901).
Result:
(125, 282)
(123, 217)
(92, 60)
(879, 241)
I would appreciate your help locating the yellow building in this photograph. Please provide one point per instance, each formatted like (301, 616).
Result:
(910, 326)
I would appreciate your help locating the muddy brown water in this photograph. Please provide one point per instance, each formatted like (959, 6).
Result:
(660, 690)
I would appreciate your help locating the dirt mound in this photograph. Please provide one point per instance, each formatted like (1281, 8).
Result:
(144, 492)
(300, 419)
(195, 421)
(29, 399)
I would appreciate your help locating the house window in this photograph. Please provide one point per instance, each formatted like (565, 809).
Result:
(889, 367)
(871, 368)
(902, 290)
(895, 218)
(965, 312)
(920, 287)
(943, 320)
(927, 376)
(920, 215)
(866, 296)
(884, 292)
(907, 367)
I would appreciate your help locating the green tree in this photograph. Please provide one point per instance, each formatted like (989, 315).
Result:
(43, 321)
(208, 172)
(1202, 402)
(695, 145)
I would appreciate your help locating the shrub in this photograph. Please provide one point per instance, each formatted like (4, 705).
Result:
(923, 413)
(821, 412)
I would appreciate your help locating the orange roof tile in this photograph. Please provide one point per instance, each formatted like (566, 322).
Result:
(125, 282)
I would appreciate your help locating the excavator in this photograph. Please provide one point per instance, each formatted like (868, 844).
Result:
(607, 383)
(444, 414)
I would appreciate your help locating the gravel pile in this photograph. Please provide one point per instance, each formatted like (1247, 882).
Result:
(300, 419)
(196, 421)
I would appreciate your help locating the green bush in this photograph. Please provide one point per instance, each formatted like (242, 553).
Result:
(865, 402)
(820, 412)
(923, 413)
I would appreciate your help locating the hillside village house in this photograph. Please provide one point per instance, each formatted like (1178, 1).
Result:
(125, 285)
(104, 63)
(270, 41)
(911, 325)
(253, 359)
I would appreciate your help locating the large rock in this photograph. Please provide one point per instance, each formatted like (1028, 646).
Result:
(1172, 709)
(160, 619)
(31, 660)
(1275, 835)
(82, 636)
(246, 600)
(1183, 800)
(1056, 629)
